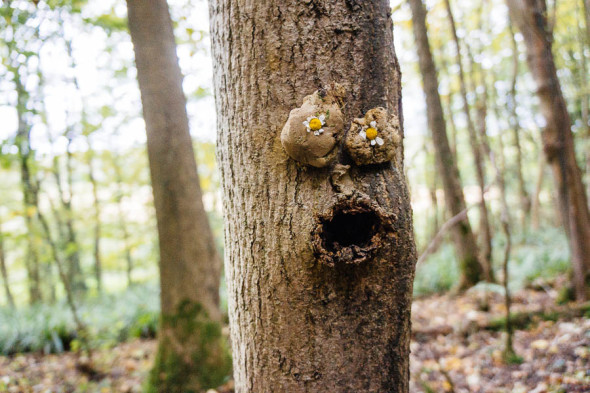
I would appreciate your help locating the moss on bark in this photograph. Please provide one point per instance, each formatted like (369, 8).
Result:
(193, 355)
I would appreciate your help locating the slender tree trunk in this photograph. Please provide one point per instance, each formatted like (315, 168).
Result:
(191, 355)
(525, 200)
(584, 38)
(81, 328)
(72, 246)
(97, 220)
(30, 192)
(536, 202)
(484, 223)
(500, 169)
(558, 141)
(452, 124)
(64, 217)
(465, 244)
(4, 271)
(123, 224)
(320, 258)
(434, 200)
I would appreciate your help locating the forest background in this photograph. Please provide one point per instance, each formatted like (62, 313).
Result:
(70, 108)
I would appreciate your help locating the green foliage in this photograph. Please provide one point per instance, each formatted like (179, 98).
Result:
(110, 319)
(109, 22)
(512, 358)
(542, 254)
(438, 273)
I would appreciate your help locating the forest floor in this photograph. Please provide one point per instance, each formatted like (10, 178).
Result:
(456, 347)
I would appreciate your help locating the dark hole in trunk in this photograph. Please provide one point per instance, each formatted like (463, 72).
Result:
(350, 228)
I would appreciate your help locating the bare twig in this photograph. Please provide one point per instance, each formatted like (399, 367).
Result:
(449, 224)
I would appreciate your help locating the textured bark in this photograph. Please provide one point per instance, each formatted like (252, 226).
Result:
(191, 352)
(558, 141)
(299, 324)
(484, 223)
(463, 237)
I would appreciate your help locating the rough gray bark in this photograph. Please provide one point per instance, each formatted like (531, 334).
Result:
(531, 18)
(465, 245)
(191, 354)
(304, 316)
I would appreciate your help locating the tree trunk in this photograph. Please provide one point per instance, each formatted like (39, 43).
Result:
(463, 237)
(97, 221)
(30, 192)
(536, 202)
(525, 200)
(4, 271)
(191, 354)
(64, 216)
(484, 223)
(530, 16)
(320, 258)
(72, 246)
(123, 223)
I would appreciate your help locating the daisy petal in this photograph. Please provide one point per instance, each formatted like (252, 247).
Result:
(306, 123)
(309, 118)
(373, 142)
(316, 133)
(322, 118)
(379, 141)
(321, 130)
(363, 134)
(373, 124)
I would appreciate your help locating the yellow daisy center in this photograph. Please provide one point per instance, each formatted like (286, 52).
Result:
(371, 133)
(315, 124)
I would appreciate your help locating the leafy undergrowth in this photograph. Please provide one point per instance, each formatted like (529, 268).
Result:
(535, 255)
(110, 318)
(455, 347)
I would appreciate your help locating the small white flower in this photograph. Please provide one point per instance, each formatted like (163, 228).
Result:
(371, 133)
(315, 124)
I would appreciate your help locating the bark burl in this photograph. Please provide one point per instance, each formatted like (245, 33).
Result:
(319, 261)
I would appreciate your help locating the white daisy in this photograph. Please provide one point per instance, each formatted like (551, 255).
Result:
(371, 133)
(315, 124)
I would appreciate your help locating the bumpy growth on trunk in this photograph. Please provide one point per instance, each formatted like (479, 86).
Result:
(558, 142)
(320, 252)
(191, 354)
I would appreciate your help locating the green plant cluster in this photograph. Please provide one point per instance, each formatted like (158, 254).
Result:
(110, 319)
(539, 254)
